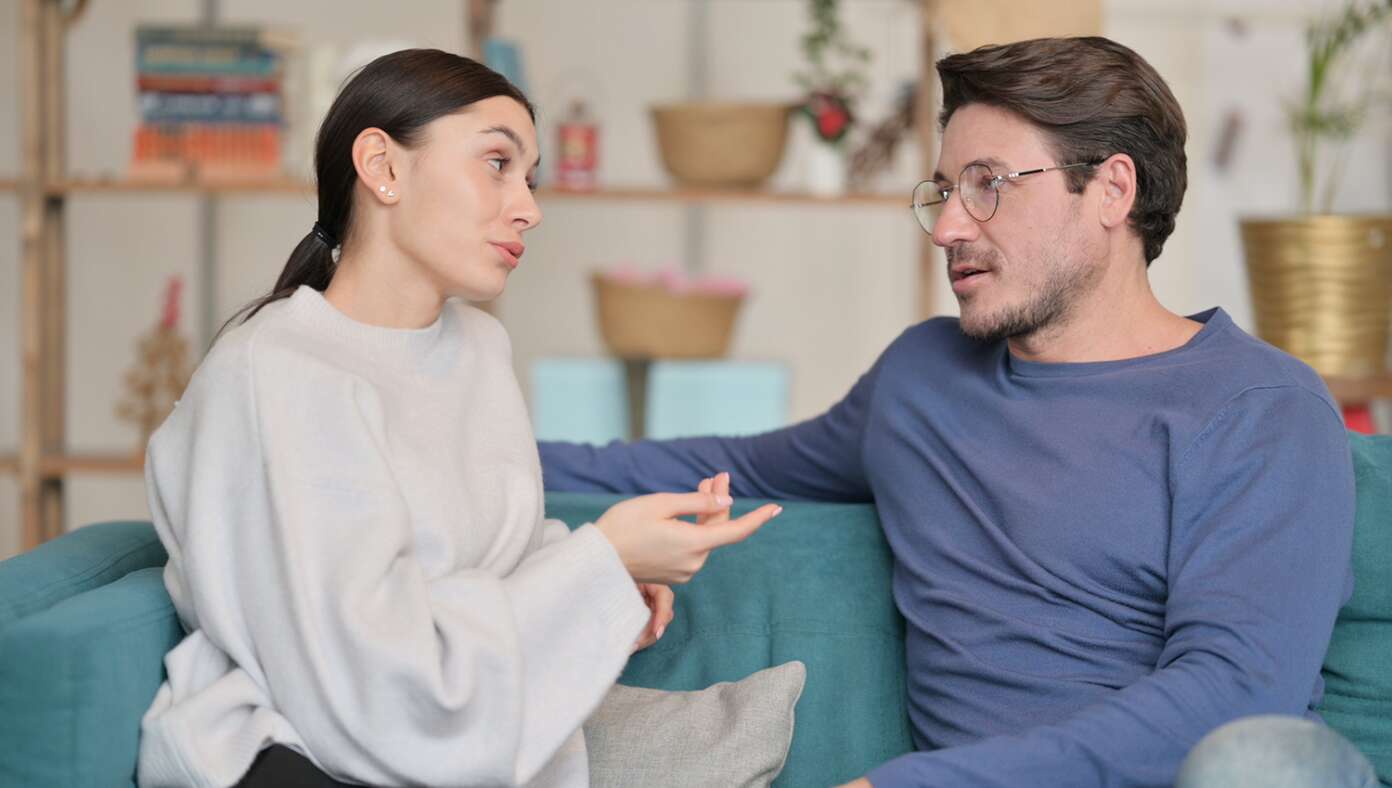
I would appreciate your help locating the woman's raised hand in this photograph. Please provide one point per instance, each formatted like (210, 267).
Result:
(656, 547)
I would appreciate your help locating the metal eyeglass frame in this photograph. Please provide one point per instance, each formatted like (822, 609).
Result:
(993, 185)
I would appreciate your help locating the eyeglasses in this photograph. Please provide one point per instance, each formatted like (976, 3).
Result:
(978, 187)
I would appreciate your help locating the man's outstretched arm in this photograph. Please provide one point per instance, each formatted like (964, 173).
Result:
(817, 460)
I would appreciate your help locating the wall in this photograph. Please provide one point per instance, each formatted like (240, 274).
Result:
(832, 285)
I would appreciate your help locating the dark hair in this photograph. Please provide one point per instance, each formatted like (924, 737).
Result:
(400, 94)
(1092, 98)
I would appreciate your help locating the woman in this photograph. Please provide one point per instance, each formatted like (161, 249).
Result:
(350, 493)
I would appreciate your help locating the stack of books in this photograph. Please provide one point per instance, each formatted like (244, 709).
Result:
(211, 104)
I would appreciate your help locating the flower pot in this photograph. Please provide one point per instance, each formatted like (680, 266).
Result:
(827, 170)
(1322, 289)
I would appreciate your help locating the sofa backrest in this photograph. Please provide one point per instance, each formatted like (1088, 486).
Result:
(1358, 667)
(813, 585)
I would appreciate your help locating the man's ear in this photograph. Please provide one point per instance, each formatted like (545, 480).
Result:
(1117, 175)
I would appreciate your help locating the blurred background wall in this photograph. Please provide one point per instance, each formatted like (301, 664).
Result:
(831, 285)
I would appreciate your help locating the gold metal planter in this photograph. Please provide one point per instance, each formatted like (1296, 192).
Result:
(1322, 289)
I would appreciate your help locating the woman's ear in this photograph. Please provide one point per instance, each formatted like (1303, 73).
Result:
(1118, 178)
(373, 153)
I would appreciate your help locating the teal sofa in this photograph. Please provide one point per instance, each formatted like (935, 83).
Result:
(85, 622)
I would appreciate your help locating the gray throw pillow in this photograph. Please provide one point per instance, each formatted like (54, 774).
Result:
(729, 734)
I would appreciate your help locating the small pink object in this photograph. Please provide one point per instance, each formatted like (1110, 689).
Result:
(721, 286)
(170, 319)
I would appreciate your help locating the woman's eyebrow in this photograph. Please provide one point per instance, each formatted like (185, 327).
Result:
(513, 136)
(510, 134)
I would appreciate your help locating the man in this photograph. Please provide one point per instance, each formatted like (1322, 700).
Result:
(1115, 528)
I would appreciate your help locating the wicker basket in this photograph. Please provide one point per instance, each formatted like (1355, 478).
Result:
(1322, 289)
(640, 321)
(719, 144)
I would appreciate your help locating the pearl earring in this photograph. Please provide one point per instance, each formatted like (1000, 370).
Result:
(381, 188)
(391, 194)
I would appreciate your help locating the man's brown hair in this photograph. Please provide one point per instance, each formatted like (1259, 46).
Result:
(1092, 98)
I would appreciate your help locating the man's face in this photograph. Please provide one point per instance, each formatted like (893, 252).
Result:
(1026, 268)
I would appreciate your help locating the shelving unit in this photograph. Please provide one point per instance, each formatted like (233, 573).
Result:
(42, 462)
(78, 186)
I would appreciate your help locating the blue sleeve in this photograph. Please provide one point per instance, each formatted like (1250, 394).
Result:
(815, 460)
(1259, 564)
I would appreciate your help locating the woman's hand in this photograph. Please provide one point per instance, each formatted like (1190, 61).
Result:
(656, 547)
(659, 600)
(718, 485)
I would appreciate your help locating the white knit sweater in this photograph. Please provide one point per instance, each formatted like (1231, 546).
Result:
(354, 522)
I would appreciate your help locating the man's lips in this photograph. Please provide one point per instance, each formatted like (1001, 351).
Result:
(959, 272)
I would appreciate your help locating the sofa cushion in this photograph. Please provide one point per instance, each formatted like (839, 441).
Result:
(76, 678)
(734, 733)
(82, 560)
(1358, 666)
(811, 586)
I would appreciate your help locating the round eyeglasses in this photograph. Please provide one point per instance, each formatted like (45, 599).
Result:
(978, 187)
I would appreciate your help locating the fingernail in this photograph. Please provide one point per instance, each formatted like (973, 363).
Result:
(660, 630)
(724, 500)
(725, 475)
(777, 510)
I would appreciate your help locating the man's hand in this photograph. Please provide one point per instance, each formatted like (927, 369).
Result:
(658, 598)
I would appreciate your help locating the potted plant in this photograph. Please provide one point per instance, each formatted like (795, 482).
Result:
(832, 82)
(1321, 282)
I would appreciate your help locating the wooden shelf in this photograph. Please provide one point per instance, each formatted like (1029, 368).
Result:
(615, 194)
(123, 185)
(689, 194)
(1360, 391)
(58, 466)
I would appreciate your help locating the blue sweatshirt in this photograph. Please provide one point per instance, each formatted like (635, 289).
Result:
(1098, 563)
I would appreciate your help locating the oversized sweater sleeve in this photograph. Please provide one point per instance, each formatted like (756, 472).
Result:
(1261, 533)
(297, 554)
(818, 459)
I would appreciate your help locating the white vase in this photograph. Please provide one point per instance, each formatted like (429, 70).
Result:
(826, 170)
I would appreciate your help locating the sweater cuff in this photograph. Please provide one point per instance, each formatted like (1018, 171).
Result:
(616, 591)
(581, 569)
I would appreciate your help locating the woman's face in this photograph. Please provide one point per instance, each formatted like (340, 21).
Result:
(465, 198)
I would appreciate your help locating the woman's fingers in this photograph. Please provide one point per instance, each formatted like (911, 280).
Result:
(660, 600)
(726, 533)
(704, 487)
(671, 505)
(720, 485)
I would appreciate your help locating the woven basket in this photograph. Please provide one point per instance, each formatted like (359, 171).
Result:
(649, 321)
(1322, 289)
(720, 144)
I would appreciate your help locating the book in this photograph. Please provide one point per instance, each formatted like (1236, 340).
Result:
(210, 101)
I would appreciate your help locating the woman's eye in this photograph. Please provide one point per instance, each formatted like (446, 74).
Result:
(498, 163)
